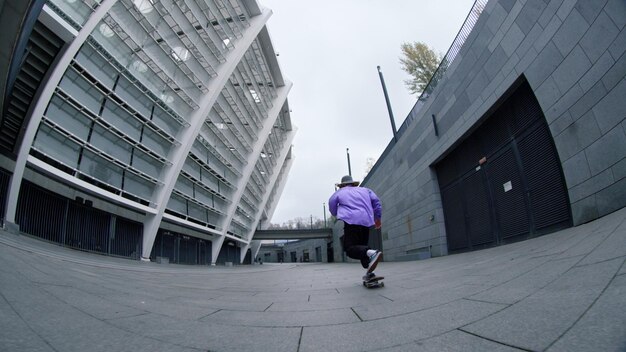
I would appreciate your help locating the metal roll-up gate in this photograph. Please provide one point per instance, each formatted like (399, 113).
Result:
(504, 182)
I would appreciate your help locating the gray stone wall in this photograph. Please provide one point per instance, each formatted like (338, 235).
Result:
(269, 253)
(572, 54)
(307, 245)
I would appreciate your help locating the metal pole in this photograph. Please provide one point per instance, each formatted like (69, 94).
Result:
(393, 124)
(348, 154)
(324, 204)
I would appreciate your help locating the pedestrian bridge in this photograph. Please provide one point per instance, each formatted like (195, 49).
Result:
(299, 234)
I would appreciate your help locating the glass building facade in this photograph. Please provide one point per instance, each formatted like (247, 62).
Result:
(169, 118)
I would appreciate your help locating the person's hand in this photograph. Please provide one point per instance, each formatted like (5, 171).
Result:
(377, 223)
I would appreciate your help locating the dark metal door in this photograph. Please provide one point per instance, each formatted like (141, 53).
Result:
(510, 198)
(454, 216)
(504, 181)
(547, 191)
(478, 220)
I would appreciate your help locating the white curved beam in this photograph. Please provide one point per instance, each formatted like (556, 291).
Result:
(274, 178)
(253, 157)
(269, 210)
(256, 246)
(179, 153)
(242, 255)
(257, 148)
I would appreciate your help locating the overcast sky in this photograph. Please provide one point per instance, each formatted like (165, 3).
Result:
(329, 49)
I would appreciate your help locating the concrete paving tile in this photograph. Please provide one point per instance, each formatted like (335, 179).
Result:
(16, 335)
(602, 328)
(419, 302)
(506, 271)
(453, 341)
(613, 246)
(32, 271)
(49, 317)
(252, 306)
(74, 301)
(538, 320)
(611, 221)
(357, 294)
(326, 305)
(99, 308)
(585, 245)
(527, 284)
(182, 309)
(382, 333)
(285, 319)
(211, 336)
(283, 297)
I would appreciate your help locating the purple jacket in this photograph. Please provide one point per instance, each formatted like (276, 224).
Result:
(355, 205)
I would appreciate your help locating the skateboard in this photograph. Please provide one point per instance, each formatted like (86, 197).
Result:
(373, 281)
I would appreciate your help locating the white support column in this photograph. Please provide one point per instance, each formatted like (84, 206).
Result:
(216, 246)
(266, 196)
(244, 250)
(36, 112)
(179, 153)
(253, 157)
(256, 246)
(281, 186)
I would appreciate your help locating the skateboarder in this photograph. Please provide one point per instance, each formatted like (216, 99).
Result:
(359, 208)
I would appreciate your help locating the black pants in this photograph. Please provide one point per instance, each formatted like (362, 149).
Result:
(355, 239)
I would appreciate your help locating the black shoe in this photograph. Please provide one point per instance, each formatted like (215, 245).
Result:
(368, 276)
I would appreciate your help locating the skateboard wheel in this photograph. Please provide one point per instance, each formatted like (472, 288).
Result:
(382, 284)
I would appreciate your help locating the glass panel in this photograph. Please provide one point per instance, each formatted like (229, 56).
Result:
(185, 186)
(246, 207)
(111, 144)
(217, 166)
(138, 186)
(192, 168)
(146, 163)
(214, 218)
(155, 142)
(178, 204)
(237, 229)
(165, 121)
(114, 46)
(198, 212)
(67, 116)
(101, 169)
(241, 217)
(119, 118)
(209, 180)
(204, 197)
(97, 66)
(200, 151)
(57, 146)
(220, 205)
(82, 91)
(174, 102)
(134, 97)
(78, 11)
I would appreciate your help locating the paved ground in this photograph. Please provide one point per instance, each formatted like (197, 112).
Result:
(561, 292)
